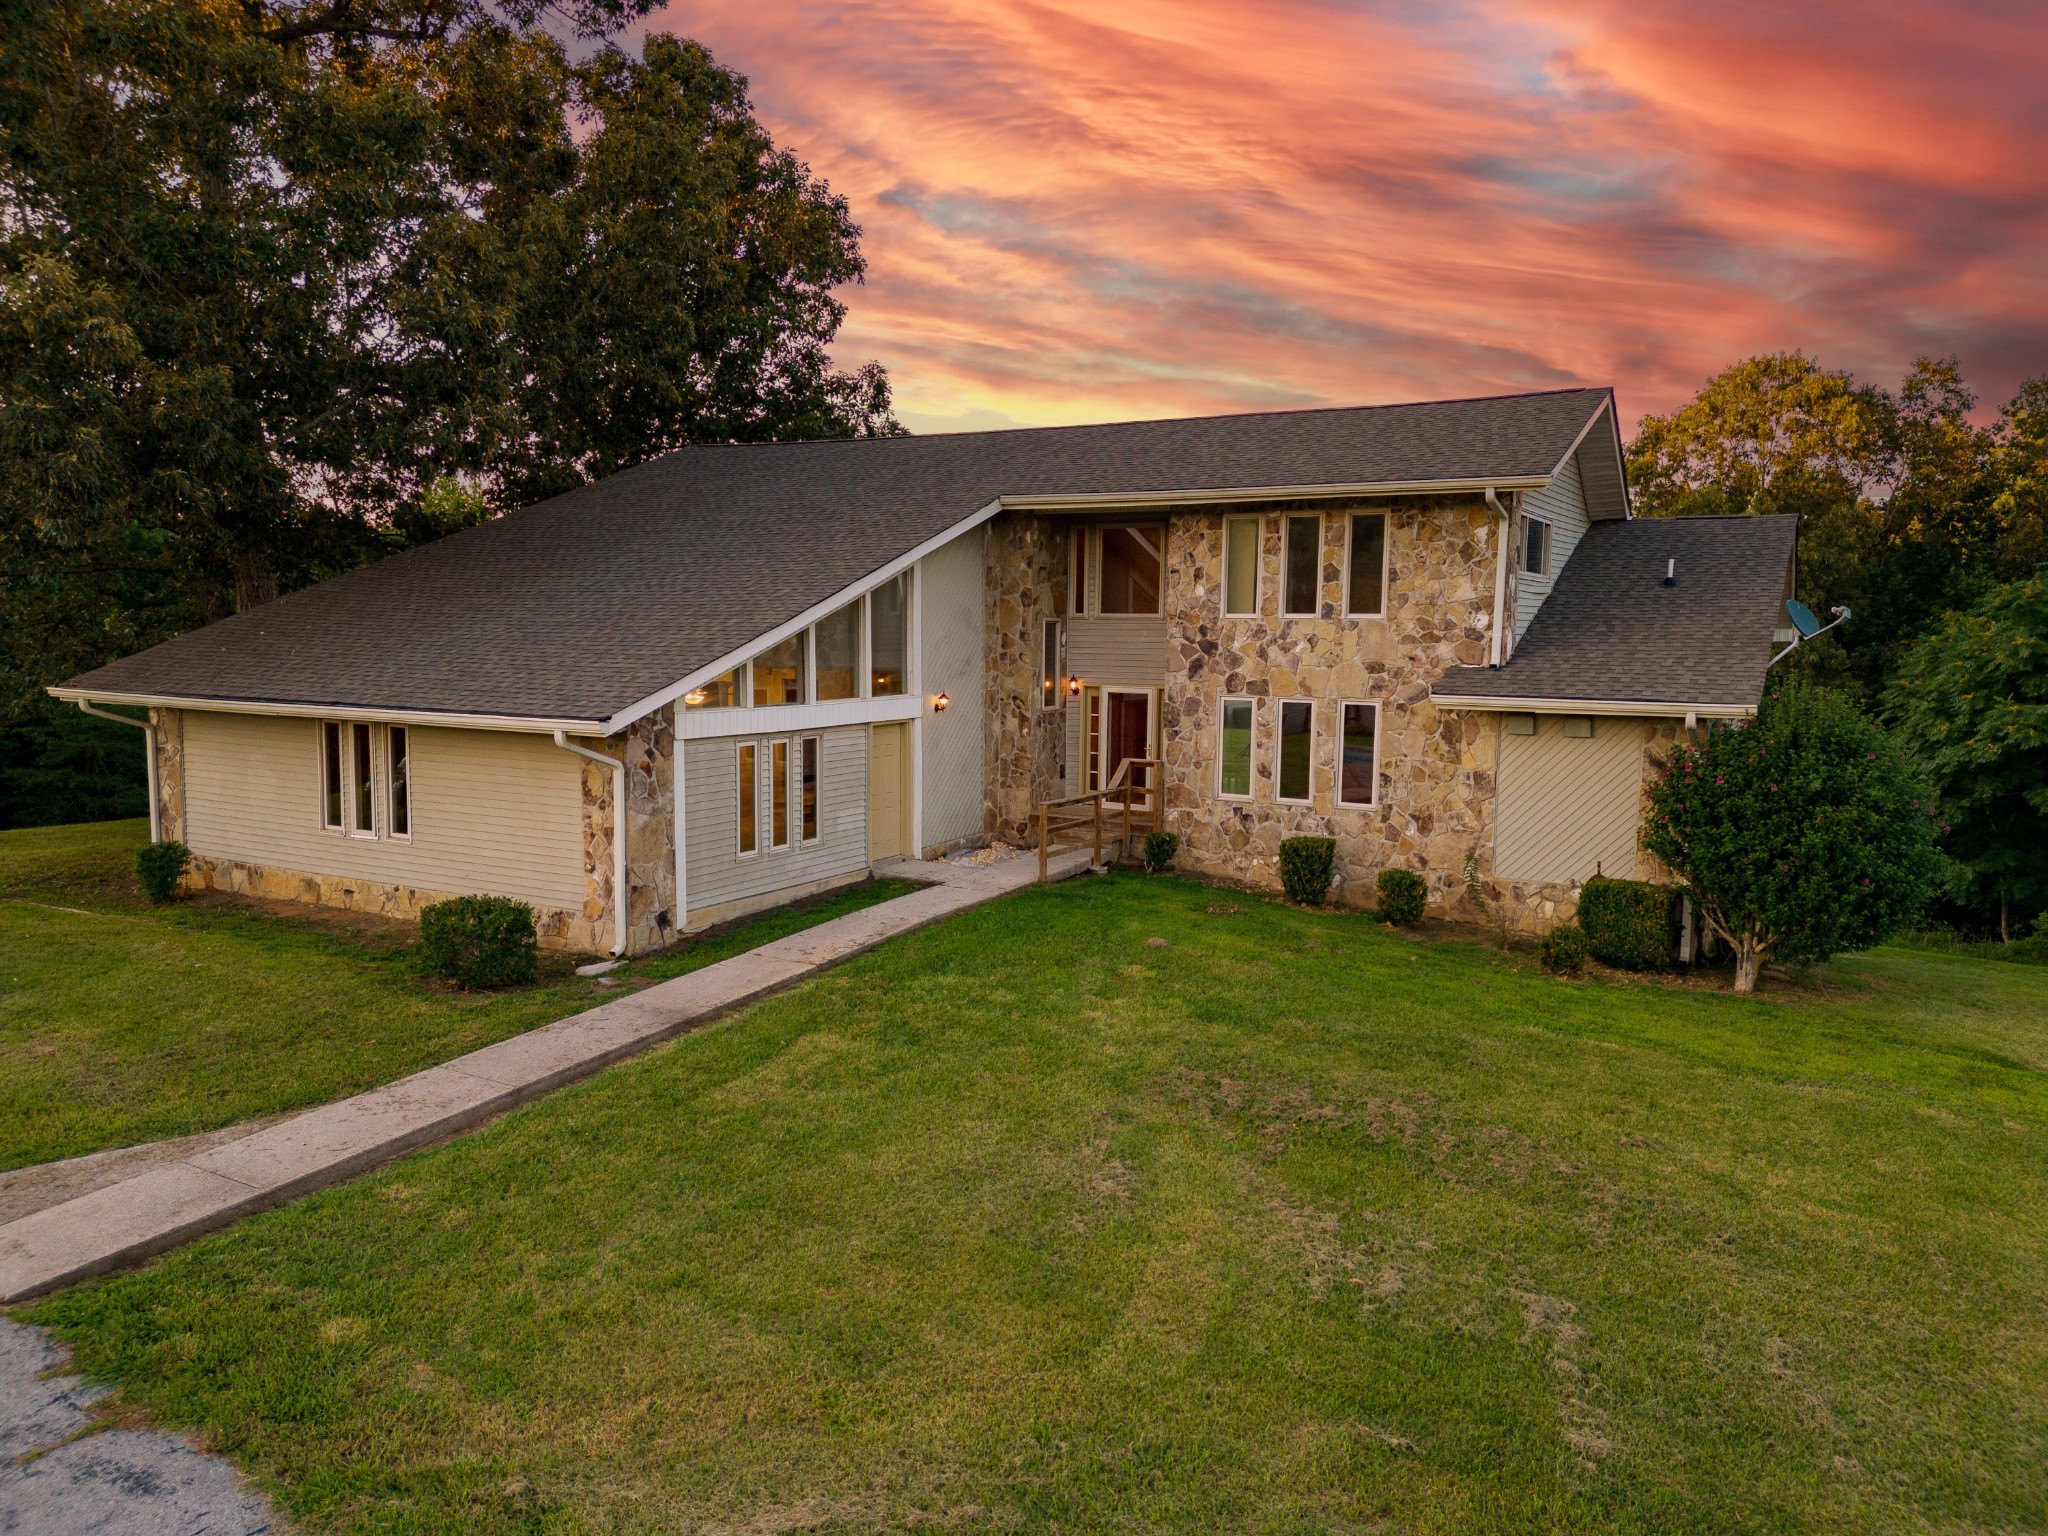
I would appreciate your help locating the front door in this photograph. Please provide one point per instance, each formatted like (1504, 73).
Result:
(888, 792)
(1130, 732)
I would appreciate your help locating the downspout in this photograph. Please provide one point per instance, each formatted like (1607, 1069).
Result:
(148, 729)
(618, 768)
(1500, 576)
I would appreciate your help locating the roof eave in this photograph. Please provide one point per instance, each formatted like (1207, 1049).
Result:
(1084, 501)
(1656, 708)
(300, 709)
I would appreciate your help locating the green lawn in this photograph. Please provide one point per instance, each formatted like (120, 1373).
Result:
(121, 1022)
(1293, 1225)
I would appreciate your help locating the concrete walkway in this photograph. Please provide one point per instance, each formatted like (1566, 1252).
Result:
(175, 1202)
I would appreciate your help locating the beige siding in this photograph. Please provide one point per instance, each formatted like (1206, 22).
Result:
(493, 812)
(1563, 503)
(951, 637)
(1077, 762)
(1118, 652)
(1569, 806)
(719, 874)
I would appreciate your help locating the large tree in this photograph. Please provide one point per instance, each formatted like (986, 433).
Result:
(283, 286)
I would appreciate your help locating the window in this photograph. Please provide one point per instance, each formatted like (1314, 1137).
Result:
(1049, 666)
(750, 789)
(810, 752)
(1296, 747)
(1357, 765)
(362, 786)
(778, 794)
(1080, 564)
(1094, 741)
(397, 782)
(779, 673)
(1241, 565)
(1235, 753)
(1133, 562)
(727, 692)
(889, 637)
(1366, 576)
(1303, 583)
(838, 651)
(1535, 546)
(332, 790)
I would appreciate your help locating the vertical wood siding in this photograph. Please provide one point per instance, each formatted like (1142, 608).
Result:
(493, 812)
(951, 610)
(719, 874)
(1569, 805)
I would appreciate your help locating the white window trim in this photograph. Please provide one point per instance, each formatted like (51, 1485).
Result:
(1386, 562)
(391, 784)
(789, 830)
(338, 828)
(739, 774)
(1251, 759)
(1549, 545)
(1258, 567)
(1287, 520)
(1374, 706)
(349, 758)
(1280, 746)
(797, 768)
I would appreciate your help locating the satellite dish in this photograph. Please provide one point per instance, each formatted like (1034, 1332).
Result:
(1802, 618)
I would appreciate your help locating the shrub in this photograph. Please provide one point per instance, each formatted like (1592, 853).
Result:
(1160, 848)
(1802, 832)
(1402, 896)
(1306, 864)
(1629, 924)
(480, 941)
(1562, 951)
(159, 867)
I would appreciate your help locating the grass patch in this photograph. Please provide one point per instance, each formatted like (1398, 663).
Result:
(1291, 1225)
(121, 1022)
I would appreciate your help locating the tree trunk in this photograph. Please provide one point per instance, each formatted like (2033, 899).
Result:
(2004, 921)
(1747, 960)
(255, 581)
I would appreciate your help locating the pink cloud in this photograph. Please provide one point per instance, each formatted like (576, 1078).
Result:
(1076, 212)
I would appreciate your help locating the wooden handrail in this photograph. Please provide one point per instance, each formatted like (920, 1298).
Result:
(1132, 798)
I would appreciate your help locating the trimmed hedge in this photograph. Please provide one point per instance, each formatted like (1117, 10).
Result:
(1160, 850)
(159, 867)
(480, 941)
(1402, 894)
(1306, 864)
(1562, 951)
(1630, 924)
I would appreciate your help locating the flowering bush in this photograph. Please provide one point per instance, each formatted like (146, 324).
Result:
(1802, 832)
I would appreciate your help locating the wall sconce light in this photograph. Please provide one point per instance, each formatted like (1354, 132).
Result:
(939, 704)
(1074, 686)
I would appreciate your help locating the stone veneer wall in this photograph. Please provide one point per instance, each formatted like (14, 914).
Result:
(170, 772)
(1027, 584)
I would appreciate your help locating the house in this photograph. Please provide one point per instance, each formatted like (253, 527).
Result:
(739, 674)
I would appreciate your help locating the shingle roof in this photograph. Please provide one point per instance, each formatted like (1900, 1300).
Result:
(1611, 631)
(580, 606)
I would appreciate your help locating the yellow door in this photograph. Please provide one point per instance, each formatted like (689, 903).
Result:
(888, 792)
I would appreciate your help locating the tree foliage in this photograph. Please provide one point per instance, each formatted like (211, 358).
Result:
(1971, 705)
(1801, 833)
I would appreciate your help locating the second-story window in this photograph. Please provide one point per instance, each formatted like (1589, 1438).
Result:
(1302, 583)
(889, 637)
(838, 659)
(1241, 565)
(1049, 666)
(1133, 569)
(1535, 547)
(1365, 594)
(779, 672)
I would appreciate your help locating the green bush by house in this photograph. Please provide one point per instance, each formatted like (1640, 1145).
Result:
(480, 941)
(1402, 896)
(1562, 951)
(159, 867)
(1160, 851)
(1305, 867)
(1629, 924)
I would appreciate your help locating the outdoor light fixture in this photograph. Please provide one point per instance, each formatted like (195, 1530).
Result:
(1074, 686)
(939, 704)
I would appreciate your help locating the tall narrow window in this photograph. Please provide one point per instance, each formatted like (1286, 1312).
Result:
(1356, 768)
(330, 775)
(810, 753)
(1241, 565)
(1080, 565)
(727, 692)
(779, 673)
(1296, 748)
(1536, 547)
(1367, 561)
(397, 782)
(778, 791)
(839, 653)
(1093, 746)
(1133, 564)
(889, 637)
(750, 789)
(363, 822)
(1303, 581)
(1049, 665)
(1235, 752)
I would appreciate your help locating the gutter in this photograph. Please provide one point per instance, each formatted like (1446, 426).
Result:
(148, 729)
(619, 819)
(330, 711)
(1079, 501)
(1656, 708)
(1500, 577)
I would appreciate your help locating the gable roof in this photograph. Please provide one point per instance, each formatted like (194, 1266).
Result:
(1611, 632)
(576, 609)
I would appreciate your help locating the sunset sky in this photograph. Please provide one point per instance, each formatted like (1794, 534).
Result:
(1084, 212)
